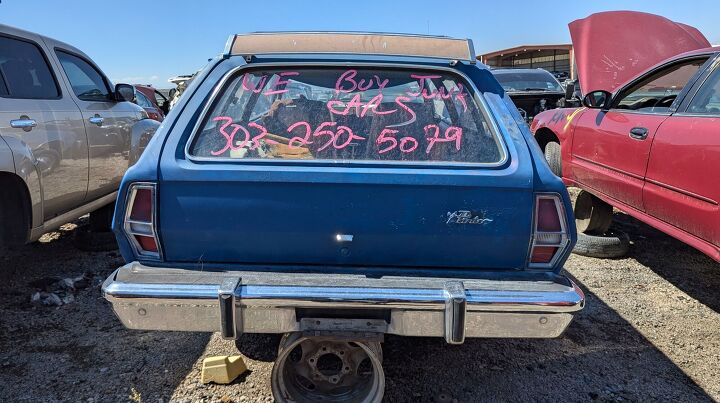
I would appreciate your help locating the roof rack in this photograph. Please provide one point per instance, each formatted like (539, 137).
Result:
(368, 43)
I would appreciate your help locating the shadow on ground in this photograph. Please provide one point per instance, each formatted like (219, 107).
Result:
(685, 267)
(600, 356)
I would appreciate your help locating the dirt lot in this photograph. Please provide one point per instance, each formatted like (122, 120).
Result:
(651, 331)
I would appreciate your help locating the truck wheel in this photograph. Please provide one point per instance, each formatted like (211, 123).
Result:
(14, 219)
(258, 346)
(101, 219)
(552, 156)
(615, 244)
(327, 369)
(592, 215)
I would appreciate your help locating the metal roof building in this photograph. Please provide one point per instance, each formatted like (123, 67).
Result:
(553, 58)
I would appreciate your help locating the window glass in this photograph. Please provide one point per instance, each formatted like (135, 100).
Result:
(24, 72)
(707, 100)
(345, 115)
(658, 92)
(538, 80)
(142, 100)
(87, 83)
(160, 98)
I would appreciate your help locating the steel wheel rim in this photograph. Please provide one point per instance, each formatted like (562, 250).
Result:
(299, 377)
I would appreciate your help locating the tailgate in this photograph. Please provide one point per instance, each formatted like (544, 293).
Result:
(347, 218)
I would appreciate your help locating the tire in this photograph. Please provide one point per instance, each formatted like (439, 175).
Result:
(14, 215)
(101, 219)
(614, 245)
(592, 215)
(259, 346)
(553, 158)
(91, 241)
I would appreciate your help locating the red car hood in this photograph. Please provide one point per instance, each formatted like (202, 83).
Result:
(613, 47)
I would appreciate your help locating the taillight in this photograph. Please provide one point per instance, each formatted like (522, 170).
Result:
(549, 238)
(140, 220)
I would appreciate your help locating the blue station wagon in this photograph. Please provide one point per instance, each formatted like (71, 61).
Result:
(336, 187)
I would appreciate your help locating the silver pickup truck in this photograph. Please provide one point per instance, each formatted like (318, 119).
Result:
(67, 136)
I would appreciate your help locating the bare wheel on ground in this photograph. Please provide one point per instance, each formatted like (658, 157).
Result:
(313, 369)
(592, 215)
(612, 245)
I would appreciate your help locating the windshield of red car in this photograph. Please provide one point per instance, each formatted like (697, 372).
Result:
(341, 114)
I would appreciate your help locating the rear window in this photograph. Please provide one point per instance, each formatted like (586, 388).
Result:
(347, 115)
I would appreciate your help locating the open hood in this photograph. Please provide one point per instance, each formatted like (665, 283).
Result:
(613, 47)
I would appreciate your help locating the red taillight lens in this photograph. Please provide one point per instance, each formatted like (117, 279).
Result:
(140, 220)
(147, 243)
(549, 233)
(543, 254)
(142, 205)
(548, 218)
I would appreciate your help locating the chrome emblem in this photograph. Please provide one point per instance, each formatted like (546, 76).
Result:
(466, 217)
(343, 237)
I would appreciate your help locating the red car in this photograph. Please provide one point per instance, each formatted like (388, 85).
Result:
(155, 104)
(647, 140)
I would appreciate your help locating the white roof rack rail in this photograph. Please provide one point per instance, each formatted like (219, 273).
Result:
(263, 43)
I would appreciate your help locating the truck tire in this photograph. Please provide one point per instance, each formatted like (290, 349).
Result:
(14, 217)
(552, 156)
(592, 215)
(616, 244)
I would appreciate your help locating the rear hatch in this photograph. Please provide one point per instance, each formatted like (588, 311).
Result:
(370, 166)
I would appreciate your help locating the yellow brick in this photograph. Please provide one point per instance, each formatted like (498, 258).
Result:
(222, 369)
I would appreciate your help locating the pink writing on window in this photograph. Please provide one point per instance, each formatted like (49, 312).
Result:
(346, 83)
(452, 133)
(280, 82)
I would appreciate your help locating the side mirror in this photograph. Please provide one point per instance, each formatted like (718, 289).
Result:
(124, 92)
(569, 90)
(597, 100)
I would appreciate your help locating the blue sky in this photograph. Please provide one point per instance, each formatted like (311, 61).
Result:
(149, 41)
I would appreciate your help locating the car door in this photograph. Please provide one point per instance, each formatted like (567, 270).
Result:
(611, 148)
(40, 120)
(683, 176)
(108, 123)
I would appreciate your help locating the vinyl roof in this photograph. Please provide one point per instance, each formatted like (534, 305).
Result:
(441, 47)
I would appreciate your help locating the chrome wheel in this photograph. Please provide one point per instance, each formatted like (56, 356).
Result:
(312, 369)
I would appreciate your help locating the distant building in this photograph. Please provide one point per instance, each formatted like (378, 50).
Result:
(557, 59)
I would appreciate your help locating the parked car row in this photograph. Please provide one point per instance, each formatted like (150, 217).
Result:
(333, 188)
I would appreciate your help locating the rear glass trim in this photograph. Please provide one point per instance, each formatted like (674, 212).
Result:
(230, 75)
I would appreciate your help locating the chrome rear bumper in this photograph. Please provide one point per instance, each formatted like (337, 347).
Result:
(267, 302)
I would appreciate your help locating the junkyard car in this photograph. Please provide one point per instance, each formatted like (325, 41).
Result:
(532, 90)
(155, 104)
(66, 136)
(647, 139)
(338, 187)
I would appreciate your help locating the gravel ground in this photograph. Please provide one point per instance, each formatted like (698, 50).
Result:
(650, 332)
